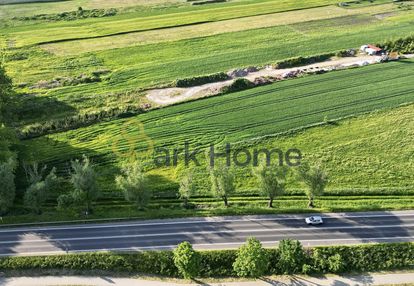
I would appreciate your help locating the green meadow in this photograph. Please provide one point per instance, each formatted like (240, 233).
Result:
(246, 119)
(140, 67)
(358, 122)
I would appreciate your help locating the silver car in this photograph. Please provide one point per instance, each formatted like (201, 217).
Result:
(314, 220)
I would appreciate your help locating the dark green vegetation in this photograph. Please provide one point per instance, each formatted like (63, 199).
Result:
(71, 16)
(318, 260)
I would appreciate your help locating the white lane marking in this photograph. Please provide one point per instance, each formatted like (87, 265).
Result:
(206, 220)
(224, 244)
(20, 241)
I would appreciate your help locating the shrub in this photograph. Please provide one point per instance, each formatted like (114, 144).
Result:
(186, 260)
(252, 259)
(238, 85)
(72, 15)
(217, 263)
(199, 80)
(357, 258)
(402, 45)
(292, 256)
(134, 183)
(301, 61)
(8, 188)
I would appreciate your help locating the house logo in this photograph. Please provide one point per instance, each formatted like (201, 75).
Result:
(132, 143)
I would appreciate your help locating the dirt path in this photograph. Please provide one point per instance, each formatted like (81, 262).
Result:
(167, 96)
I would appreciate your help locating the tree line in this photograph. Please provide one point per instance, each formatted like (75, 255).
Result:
(134, 183)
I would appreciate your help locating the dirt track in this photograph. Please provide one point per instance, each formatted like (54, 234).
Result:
(167, 96)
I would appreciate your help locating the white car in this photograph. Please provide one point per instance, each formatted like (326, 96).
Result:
(314, 220)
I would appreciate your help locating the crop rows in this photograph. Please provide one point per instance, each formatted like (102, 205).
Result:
(244, 115)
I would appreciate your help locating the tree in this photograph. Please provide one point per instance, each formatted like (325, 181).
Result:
(134, 184)
(8, 188)
(272, 180)
(8, 140)
(83, 179)
(187, 260)
(292, 256)
(39, 186)
(222, 182)
(187, 188)
(252, 259)
(6, 95)
(315, 180)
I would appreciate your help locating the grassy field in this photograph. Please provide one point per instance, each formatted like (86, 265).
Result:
(211, 28)
(353, 113)
(247, 116)
(365, 174)
(160, 63)
(26, 34)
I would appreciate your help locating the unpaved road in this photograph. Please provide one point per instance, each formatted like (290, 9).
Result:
(168, 96)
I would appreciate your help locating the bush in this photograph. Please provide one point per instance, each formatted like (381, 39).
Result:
(402, 45)
(238, 85)
(358, 258)
(186, 260)
(292, 256)
(217, 263)
(301, 61)
(194, 81)
(72, 15)
(252, 259)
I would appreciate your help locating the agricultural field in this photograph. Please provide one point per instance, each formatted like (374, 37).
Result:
(243, 117)
(159, 61)
(71, 61)
(366, 176)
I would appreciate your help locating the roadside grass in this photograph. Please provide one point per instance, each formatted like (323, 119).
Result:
(354, 151)
(113, 209)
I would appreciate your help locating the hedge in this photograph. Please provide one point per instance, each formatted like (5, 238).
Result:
(301, 61)
(402, 45)
(199, 80)
(336, 259)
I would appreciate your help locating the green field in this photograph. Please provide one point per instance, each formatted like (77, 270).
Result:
(162, 62)
(242, 116)
(358, 122)
(356, 152)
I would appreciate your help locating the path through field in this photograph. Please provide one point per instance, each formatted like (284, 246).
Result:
(167, 96)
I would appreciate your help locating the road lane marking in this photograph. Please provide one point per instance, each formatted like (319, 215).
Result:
(307, 229)
(206, 220)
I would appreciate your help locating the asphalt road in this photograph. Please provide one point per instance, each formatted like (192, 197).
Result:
(208, 233)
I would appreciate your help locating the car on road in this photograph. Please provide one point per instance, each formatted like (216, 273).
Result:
(314, 220)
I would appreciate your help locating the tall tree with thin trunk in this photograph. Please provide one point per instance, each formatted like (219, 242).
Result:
(134, 183)
(39, 187)
(222, 182)
(6, 93)
(7, 186)
(187, 187)
(272, 180)
(84, 181)
(315, 179)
